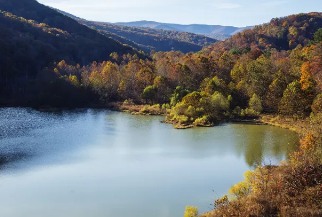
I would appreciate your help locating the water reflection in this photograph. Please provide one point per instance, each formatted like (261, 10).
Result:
(102, 163)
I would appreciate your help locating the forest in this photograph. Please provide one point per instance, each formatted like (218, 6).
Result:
(274, 69)
(147, 39)
(201, 88)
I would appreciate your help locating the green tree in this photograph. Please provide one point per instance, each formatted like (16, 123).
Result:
(318, 36)
(256, 104)
(164, 91)
(149, 93)
(178, 95)
(216, 84)
(274, 95)
(294, 101)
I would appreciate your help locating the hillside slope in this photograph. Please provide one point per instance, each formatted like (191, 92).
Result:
(280, 33)
(148, 39)
(153, 39)
(32, 36)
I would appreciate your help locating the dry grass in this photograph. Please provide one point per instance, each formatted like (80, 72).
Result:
(300, 126)
(134, 109)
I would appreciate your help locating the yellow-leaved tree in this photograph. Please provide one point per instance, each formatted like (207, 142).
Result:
(191, 211)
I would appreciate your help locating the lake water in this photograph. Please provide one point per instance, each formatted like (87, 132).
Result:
(101, 163)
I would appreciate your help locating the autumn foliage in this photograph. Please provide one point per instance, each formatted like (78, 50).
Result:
(293, 189)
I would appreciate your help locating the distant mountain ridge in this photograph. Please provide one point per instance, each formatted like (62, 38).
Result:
(148, 39)
(214, 31)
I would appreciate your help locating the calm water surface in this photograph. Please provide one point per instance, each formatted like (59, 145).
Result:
(108, 164)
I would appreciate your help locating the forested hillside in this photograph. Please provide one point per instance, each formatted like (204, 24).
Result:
(280, 33)
(148, 39)
(155, 39)
(224, 83)
(240, 75)
(33, 36)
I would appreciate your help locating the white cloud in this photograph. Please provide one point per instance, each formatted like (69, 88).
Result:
(274, 3)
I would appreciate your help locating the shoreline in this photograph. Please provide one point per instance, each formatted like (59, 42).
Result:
(301, 126)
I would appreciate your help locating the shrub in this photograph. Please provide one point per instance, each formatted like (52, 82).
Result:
(178, 94)
(154, 109)
(221, 203)
(203, 121)
(237, 112)
(166, 106)
(251, 112)
(191, 211)
(244, 187)
(128, 102)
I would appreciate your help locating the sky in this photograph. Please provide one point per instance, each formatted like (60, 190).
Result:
(237, 13)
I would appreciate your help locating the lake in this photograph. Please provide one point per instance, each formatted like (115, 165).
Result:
(101, 163)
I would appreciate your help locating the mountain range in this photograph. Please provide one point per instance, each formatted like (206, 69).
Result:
(214, 31)
(148, 39)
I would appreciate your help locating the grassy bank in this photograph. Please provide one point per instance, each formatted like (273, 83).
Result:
(301, 126)
(134, 109)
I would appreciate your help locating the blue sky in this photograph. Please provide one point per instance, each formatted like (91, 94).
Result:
(222, 12)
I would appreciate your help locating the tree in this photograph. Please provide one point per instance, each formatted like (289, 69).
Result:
(316, 64)
(178, 95)
(144, 77)
(149, 93)
(294, 101)
(255, 104)
(164, 92)
(192, 99)
(121, 90)
(111, 78)
(318, 36)
(274, 95)
(216, 84)
(307, 82)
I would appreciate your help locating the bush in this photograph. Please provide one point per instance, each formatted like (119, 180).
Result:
(251, 112)
(244, 187)
(191, 211)
(201, 108)
(166, 106)
(237, 112)
(128, 102)
(203, 121)
(154, 109)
